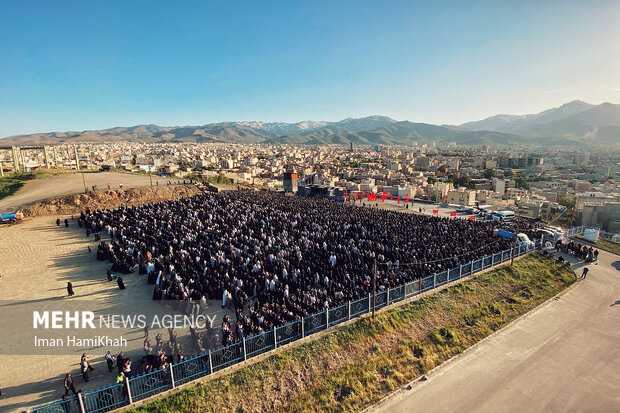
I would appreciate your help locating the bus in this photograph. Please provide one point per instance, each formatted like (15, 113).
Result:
(503, 216)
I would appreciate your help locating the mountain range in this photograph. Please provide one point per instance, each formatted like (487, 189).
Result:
(574, 123)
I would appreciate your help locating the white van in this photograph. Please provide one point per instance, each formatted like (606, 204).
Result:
(503, 216)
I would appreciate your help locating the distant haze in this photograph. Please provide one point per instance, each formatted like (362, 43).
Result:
(574, 123)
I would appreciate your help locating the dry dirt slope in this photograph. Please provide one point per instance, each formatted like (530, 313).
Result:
(110, 199)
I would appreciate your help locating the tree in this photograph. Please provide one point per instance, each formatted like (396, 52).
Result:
(431, 180)
(521, 182)
(567, 202)
(490, 173)
(192, 177)
(464, 180)
(221, 179)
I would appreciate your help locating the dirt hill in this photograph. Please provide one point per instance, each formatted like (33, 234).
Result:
(109, 199)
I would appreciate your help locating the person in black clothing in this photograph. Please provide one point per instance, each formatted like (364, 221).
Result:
(275, 259)
(70, 289)
(65, 405)
(69, 384)
(584, 272)
(120, 283)
(120, 361)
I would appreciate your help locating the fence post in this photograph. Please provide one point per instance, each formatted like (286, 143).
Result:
(434, 280)
(303, 333)
(245, 353)
(82, 408)
(460, 271)
(128, 389)
(388, 296)
(210, 362)
(172, 375)
(349, 312)
(327, 318)
(275, 338)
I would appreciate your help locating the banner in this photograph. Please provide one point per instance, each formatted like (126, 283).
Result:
(453, 214)
(435, 211)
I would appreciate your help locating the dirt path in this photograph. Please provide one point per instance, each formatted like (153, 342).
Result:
(37, 258)
(41, 189)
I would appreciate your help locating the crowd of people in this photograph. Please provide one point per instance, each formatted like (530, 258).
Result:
(273, 259)
(582, 252)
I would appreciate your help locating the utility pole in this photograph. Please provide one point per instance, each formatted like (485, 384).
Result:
(374, 287)
(515, 230)
(84, 180)
(77, 160)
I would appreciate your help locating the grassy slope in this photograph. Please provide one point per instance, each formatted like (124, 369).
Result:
(602, 243)
(608, 245)
(10, 184)
(359, 364)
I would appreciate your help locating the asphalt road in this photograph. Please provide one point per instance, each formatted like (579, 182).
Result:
(562, 357)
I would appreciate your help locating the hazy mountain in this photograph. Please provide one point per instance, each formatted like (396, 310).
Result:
(589, 123)
(516, 123)
(365, 124)
(405, 133)
(276, 129)
(575, 123)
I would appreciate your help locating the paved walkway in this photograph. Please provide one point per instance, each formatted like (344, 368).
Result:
(562, 357)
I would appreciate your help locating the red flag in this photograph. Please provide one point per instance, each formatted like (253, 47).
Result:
(453, 214)
(382, 199)
(356, 195)
(407, 199)
(435, 211)
(398, 200)
(472, 218)
(346, 191)
(391, 197)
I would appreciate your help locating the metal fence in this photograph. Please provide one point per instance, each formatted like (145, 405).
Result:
(139, 387)
(105, 398)
(69, 405)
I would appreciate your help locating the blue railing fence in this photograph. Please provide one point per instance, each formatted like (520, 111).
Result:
(135, 388)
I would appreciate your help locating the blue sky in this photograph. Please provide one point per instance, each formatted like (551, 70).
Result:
(90, 65)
